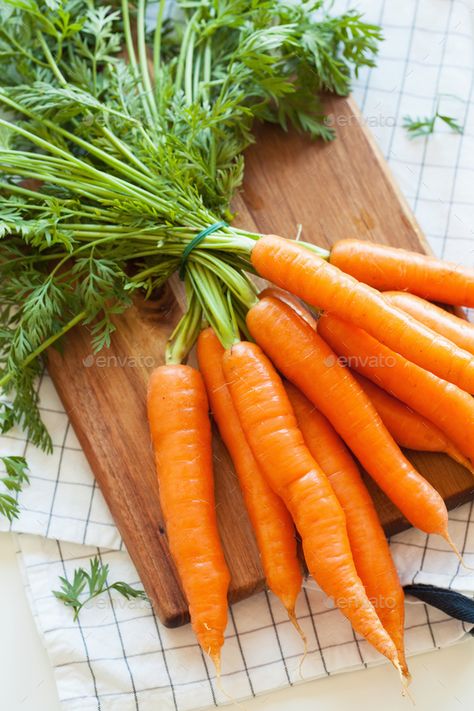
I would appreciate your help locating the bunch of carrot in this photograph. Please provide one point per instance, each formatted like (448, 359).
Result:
(377, 371)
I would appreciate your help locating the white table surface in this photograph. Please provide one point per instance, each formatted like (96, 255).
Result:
(443, 680)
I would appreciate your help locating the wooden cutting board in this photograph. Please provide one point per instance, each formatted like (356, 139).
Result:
(343, 189)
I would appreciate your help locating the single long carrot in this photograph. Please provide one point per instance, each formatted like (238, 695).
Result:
(181, 435)
(271, 430)
(294, 267)
(307, 361)
(458, 330)
(369, 546)
(445, 405)
(271, 520)
(408, 428)
(389, 268)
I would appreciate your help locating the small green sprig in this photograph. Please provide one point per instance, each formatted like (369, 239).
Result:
(89, 584)
(16, 476)
(426, 126)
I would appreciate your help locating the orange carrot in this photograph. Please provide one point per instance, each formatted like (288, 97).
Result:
(271, 430)
(181, 435)
(271, 521)
(388, 268)
(458, 330)
(308, 362)
(292, 301)
(407, 427)
(294, 267)
(445, 405)
(369, 546)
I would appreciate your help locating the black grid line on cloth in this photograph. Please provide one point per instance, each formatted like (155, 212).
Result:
(36, 477)
(52, 409)
(203, 680)
(193, 644)
(430, 164)
(435, 99)
(424, 63)
(359, 650)
(410, 94)
(89, 510)
(232, 673)
(277, 636)
(464, 543)
(208, 678)
(165, 660)
(8, 435)
(82, 557)
(401, 93)
(456, 167)
(251, 667)
(422, 546)
(71, 518)
(81, 631)
(440, 200)
(423, 556)
(430, 31)
(433, 639)
(315, 631)
(232, 617)
(125, 658)
(56, 484)
(365, 88)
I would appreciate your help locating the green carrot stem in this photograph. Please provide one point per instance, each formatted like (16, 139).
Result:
(50, 58)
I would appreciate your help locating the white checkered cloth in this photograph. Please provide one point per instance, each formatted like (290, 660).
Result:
(119, 657)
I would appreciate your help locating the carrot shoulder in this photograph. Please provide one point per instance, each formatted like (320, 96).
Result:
(181, 435)
(443, 404)
(270, 426)
(294, 267)
(369, 545)
(389, 268)
(308, 362)
(271, 520)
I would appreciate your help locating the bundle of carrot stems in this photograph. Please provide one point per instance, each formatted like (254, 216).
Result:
(344, 359)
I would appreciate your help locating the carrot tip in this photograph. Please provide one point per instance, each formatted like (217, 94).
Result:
(405, 679)
(297, 626)
(216, 660)
(451, 543)
(217, 663)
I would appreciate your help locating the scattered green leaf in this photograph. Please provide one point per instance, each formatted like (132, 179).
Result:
(89, 584)
(16, 476)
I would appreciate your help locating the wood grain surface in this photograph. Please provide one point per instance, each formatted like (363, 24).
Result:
(341, 189)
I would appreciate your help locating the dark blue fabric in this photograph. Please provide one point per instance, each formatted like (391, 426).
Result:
(449, 601)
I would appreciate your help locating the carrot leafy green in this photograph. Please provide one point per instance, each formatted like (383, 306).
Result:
(111, 161)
